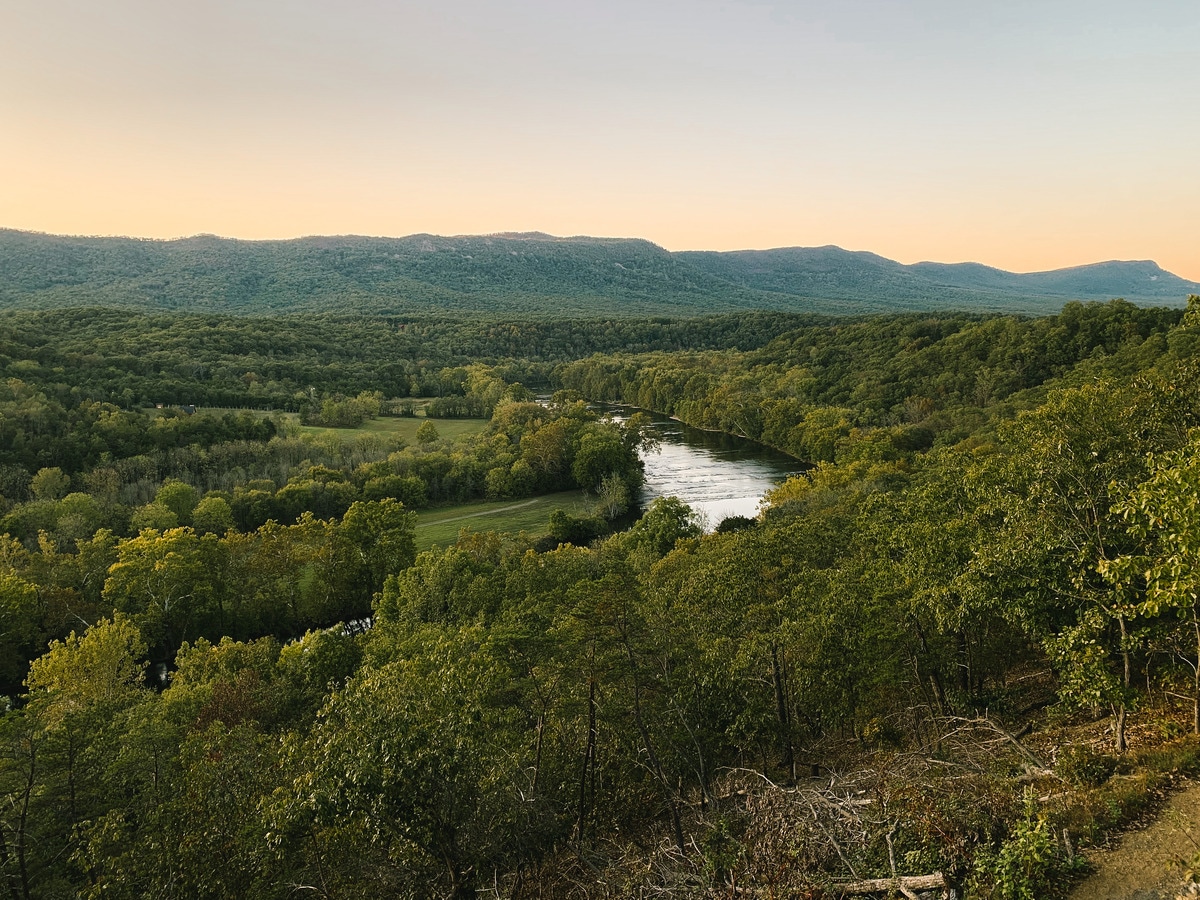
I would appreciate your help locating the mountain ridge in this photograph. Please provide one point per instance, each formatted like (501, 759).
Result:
(530, 273)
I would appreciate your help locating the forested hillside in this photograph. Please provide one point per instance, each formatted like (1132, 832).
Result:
(836, 273)
(526, 274)
(952, 655)
(412, 275)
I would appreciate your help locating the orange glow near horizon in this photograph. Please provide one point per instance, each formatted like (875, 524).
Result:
(1027, 143)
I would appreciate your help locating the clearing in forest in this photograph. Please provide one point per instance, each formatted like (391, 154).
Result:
(440, 526)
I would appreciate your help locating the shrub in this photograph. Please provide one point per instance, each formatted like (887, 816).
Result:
(1083, 766)
(1028, 865)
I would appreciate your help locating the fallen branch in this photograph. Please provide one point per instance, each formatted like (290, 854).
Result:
(906, 884)
(1035, 765)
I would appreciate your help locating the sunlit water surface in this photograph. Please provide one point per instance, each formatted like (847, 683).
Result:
(718, 475)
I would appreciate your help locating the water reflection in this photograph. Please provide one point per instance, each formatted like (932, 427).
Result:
(716, 474)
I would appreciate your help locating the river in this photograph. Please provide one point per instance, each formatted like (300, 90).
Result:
(716, 474)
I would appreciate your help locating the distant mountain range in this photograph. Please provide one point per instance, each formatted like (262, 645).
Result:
(513, 274)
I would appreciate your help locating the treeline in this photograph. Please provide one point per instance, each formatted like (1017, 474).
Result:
(885, 386)
(343, 412)
(178, 584)
(38, 430)
(134, 359)
(528, 448)
(758, 374)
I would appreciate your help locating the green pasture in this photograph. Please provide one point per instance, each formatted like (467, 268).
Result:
(388, 426)
(450, 429)
(439, 527)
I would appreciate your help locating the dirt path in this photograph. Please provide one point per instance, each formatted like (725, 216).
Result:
(486, 512)
(1140, 867)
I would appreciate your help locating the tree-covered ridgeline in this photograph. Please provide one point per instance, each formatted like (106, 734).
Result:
(533, 275)
(643, 713)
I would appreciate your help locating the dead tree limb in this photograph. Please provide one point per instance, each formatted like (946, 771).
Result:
(906, 884)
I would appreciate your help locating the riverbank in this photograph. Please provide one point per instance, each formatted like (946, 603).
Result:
(717, 474)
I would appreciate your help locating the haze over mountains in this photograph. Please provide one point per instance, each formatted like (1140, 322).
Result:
(529, 273)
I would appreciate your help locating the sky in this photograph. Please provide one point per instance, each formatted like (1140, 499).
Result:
(1025, 134)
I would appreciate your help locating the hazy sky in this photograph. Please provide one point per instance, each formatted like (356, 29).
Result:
(1027, 134)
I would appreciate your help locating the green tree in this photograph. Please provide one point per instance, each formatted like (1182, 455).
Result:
(20, 628)
(422, 750)
(375, 539)
(104, 664)
(271, 569)
(22, 822)
(212, 515)
(667, 521)
(180, 498)
(1052, 493)
(1163, 514)
(612, 496)
(919, 544)
(79, 517)
(153, 516)
(427, 433)
(317, 664)
(67, 735)
(169, 583)
(50, 483)
(603, 453)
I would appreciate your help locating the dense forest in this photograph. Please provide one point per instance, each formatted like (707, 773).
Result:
(133, 359)
(953, 653)
(534, 275)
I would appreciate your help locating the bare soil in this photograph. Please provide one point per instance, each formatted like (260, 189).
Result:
(1149, 863)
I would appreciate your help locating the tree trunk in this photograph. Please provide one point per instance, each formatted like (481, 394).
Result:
(6, 859)
(655, 765)
(1127, 677)
(589, 762)
(964, 663)
(316, 852)
(787, 752)
(1119, 729)
(1196, 675)
(22, 834)
(537, 754)
(460, 883)
(672, 799)
(935, 678)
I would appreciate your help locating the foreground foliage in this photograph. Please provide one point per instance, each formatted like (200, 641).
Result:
(838, 691)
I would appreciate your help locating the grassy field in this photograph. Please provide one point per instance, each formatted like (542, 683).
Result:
(439, 527)
(451, 429)
(400, 426)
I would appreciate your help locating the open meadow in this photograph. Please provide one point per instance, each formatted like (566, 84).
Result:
(440, 527)
(397, 426)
